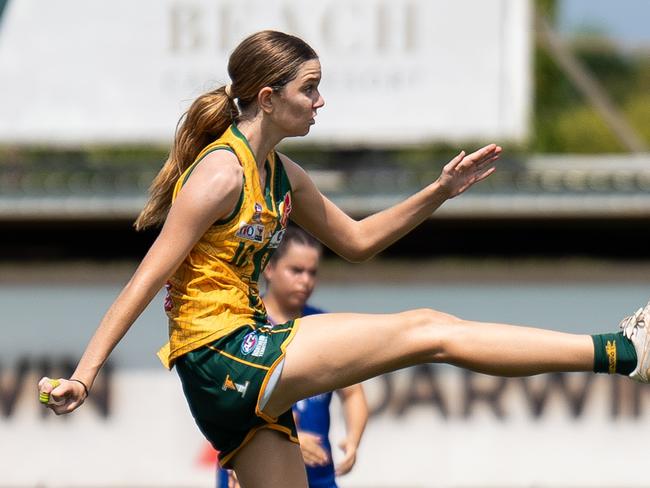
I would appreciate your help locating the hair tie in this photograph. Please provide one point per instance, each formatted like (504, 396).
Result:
(82, 384)
(228, 90)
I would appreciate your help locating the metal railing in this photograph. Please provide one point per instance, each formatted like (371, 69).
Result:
(559, 186)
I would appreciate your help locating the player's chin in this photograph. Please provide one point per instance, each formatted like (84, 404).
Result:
(298, 300)
(305, 131)
(307, 127)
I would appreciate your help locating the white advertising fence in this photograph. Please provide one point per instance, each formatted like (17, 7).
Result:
(394, 72)
(431, 426)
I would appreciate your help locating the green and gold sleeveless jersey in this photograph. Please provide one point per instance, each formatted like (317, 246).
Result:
(215, 291)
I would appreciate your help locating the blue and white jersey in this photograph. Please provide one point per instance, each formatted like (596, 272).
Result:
(313, 415)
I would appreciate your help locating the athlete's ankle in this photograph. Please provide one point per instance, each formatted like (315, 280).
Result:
(613, 353)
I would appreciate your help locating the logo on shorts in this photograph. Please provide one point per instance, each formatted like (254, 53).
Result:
(258, 352)
(251, 232)
(249, 343)
(229, 384)
(254, 344)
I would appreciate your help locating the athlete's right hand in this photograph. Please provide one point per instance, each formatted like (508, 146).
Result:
(65, 397)
(312, 449)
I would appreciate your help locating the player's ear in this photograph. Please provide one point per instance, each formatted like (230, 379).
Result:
(264, 99)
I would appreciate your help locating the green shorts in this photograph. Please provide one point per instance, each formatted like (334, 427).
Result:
(226, 381)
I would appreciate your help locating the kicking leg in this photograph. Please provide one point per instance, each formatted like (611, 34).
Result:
(331, 351)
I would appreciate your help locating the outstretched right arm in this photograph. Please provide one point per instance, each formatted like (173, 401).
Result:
(210, 194)
(358, 240)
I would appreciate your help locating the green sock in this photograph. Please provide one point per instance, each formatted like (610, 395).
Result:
(613, 353)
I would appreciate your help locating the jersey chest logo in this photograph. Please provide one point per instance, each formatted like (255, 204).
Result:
(251, 232)
(276, 239)
(257, 216)
(284, 209)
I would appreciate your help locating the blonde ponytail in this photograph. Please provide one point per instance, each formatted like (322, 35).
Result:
(207, 118)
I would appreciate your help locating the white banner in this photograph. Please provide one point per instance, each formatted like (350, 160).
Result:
(394, 71)
(441, 427)
(431, 426)
(134, 431)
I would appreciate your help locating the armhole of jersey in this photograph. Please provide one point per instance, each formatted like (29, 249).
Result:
(237, 208)
(241, 195)
(195, 164)
(280, 173)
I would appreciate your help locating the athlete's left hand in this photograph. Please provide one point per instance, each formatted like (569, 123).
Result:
(349, 449)
(466, 169)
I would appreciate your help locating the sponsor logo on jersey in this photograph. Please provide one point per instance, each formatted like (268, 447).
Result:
(249, 343)
(284, 209)
(276, 239)
(251, 232)
(168, 303)
(257, 216)
(229, 384)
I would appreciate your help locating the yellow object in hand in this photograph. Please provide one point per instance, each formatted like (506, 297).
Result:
(44, 397)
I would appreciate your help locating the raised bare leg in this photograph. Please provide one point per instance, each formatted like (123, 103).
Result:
(331, 351)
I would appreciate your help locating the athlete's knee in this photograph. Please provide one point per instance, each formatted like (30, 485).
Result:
(427, 317)
(430, 331)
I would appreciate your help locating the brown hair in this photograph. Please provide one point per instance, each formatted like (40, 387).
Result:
(297, 235)
(267, 58)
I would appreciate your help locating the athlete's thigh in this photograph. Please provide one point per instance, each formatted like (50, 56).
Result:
(270, 460)
(331, 351)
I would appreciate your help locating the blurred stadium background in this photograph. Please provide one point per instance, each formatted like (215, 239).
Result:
(89, 96)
